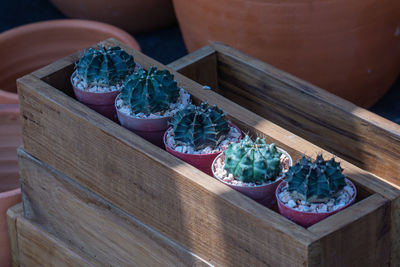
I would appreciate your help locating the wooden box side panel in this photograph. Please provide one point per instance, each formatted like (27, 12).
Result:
(361, 236)
(89, 223)
(359, 136)
(13, 214)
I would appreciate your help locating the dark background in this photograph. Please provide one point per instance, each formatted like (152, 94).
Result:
(165, 45)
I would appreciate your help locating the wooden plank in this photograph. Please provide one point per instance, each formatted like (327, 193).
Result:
(355, 134)
(51, 117)
(98, 229)
(12, 214)
(360, 235)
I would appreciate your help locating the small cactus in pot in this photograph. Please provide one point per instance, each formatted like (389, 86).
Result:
(147, 102)
(99, 75)
(198, 134)
(253, 168)
(314, 190)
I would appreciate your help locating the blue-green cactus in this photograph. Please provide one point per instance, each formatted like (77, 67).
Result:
(150, 91)
(200, 126)
(315, 182)
(255, 162)
(105, 66)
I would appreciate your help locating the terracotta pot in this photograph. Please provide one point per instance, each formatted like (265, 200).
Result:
(150, 129)
(10, 140)
(348, 47)
(8, 97)
(131, 15)
(7, 200)
(202, 162)
(27, 48)
(306, 219)
(263, 194)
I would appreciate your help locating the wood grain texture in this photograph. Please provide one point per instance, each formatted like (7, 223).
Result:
(157, 188)
(12, 214)
(353, 133)
(36, 247)
(99, 230)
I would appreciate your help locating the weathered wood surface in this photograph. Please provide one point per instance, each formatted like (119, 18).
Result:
(353, 133)
(12, 214)
(99, 230)
(35, 247)
(217, 223)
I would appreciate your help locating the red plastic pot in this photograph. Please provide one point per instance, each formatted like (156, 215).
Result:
(202, 162)
(263, 194)
(151, 129)
(306, 219)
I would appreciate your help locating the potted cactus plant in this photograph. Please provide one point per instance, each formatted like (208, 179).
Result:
(198, 134)
(99, 75)
(253, 168)
(147, 102)
(314, 190)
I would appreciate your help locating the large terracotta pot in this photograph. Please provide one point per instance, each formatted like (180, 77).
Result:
(131, 15)
(348, 47)
(10, 194)
(32, 46)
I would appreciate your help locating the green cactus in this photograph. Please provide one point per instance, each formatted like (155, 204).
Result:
(150, 91)
(105, 66)
(255, 162)
(200, 126)
(315, 182)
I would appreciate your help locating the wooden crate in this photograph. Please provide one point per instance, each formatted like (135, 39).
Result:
(353, 133)
(190, 208)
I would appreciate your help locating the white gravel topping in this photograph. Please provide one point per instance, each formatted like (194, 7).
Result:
(183, 101)
(81, 84)
(223, 174)
(343, 197)
(233, 136)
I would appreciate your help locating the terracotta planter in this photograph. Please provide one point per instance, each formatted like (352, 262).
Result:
(29, 47)
(131, 15)
(8, 97)
(348, 47)
(263, 194)
(150, 129)
(10, 139)
(202, 162)
(307, 219)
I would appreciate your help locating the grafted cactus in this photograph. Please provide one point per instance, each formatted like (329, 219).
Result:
(315, 182)
(105, 66)
(255, 162)
(150, 91)
(200, 126)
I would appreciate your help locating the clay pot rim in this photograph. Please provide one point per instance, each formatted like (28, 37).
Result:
(70, 23)
(350, 183)
(280, 178)
(9, 97)
(10, 193)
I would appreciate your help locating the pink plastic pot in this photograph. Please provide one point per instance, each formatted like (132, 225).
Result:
(263, 194)
(151, 129)
(306, 219)
(202, 162)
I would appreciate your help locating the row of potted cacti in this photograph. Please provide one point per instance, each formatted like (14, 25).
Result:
(150, 103)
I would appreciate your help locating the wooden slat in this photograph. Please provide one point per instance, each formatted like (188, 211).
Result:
(12, 214)
(355, 134)
(99, 230)
(360, 235)
(99, 159)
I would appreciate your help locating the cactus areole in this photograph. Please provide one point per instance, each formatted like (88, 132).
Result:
(200, 126)
(105, 66)
(150, 91)
(315, 182)
(253, 161)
